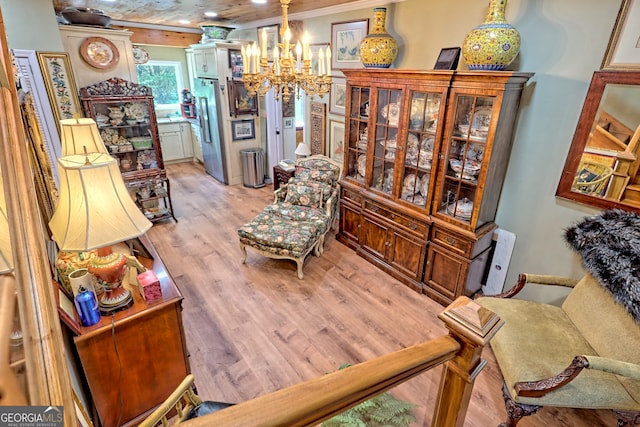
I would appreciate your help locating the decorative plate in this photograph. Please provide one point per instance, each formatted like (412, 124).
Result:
(391, 112)
(140, 55)
(362, 164)
(99, 53)
(463, 208)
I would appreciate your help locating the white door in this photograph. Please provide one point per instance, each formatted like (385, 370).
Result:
(275, 141)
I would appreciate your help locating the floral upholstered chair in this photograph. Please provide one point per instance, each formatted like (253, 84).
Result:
(302, 213)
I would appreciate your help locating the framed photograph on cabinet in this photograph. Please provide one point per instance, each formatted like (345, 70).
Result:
(242, 129)
(60, 83)
(336, 140)
(318, 117)
(235, 63)
(448, 59)
(345, 43)
(623, 51)
(338, 96)
(240, 100)
(288, 122)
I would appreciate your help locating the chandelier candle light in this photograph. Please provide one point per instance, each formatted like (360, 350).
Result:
(288, 73)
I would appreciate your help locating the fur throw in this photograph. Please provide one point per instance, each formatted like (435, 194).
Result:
(609, 244)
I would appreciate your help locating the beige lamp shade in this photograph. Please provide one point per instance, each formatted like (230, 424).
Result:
(78, 134)
(94, 209)
(6, 256)
(303, 149)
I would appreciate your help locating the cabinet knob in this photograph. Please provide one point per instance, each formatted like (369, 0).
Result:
(450, 240)
(205, 68)
(413, 226)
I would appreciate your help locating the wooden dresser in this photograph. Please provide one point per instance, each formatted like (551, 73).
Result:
(133, 360)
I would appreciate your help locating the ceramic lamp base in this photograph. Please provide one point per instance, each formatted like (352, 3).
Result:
(109, 268)
(114, 300)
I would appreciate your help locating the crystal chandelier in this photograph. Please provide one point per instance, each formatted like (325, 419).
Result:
(289, 72)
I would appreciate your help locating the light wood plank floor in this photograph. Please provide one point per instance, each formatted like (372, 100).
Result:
(254, 328)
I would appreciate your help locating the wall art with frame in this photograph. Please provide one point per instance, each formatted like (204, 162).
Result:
(242, 129)
(336, 140)
(623, 51)
(235, 63)
(273, 36)
(345, 43)
(60, 84)
(338, 96)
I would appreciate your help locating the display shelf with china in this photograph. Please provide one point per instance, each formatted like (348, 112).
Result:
(427, 154)
(126, 119)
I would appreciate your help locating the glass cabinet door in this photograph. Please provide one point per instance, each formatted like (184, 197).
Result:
(465, 154)
(417, 179)
(358, 133)
(385, 141)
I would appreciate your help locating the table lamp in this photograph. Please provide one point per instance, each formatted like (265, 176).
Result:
(79, 136)
(303, 150)
(95, 211)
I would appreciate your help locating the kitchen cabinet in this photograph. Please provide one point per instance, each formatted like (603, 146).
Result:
(126, 119)
(425, 156)
(196, 140)
(205, 62)
(175, 139)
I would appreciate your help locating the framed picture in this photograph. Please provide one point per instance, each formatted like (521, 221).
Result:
(623, 51)
(273, 36)
(242, 129)
(338, 96)
(318, 116)
(288, 122)
(60, 83)
(336, 140)
(315, 49)
(66, 308)
(235, 63)
(345, 43)
(448, 59)
(240, 100)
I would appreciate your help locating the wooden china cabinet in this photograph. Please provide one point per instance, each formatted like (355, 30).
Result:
(126, 118)
(425, 158)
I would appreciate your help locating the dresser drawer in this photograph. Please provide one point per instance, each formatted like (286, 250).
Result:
(351, 196)
(417, 227)
(453, 241)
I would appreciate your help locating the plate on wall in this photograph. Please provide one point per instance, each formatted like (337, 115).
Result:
(140, 55)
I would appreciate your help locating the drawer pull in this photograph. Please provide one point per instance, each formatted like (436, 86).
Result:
(450, 240)
(413, 226)
(374, 209)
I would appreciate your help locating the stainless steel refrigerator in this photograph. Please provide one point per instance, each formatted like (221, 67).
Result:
(207, 93)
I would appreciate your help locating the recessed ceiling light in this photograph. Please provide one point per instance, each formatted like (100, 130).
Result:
(184, 22)
(210, 14)
(259, 1)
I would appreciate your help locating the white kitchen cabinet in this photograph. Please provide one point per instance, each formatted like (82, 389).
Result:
(205, 60)
(196, 142)
(175, 140)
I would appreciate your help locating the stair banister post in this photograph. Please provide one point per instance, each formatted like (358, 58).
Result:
(472, 326)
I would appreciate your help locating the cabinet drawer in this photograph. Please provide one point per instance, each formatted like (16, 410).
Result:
(168, 127)
(351, 196)
(410, 224)
(453, 241)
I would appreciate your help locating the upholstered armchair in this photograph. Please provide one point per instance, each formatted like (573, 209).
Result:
(586, 352)
(302, 213)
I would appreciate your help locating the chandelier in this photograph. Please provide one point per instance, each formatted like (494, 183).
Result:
(289, 72)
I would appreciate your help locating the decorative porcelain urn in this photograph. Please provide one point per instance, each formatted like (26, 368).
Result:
(378, 49)
(494, 44)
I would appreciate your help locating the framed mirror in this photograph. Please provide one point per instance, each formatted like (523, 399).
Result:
(602, 167)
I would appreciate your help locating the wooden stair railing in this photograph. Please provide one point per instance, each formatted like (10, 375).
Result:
(311, 402)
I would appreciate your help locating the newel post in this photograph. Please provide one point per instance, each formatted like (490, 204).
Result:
(472, 326)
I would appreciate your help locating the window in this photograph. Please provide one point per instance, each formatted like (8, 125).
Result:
(165, 80)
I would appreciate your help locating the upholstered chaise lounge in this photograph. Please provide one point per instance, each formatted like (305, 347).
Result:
(585, 353)
(302, 212)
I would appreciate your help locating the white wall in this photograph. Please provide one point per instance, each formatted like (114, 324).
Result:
(22, 18)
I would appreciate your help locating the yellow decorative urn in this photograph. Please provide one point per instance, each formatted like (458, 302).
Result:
(494, 44)
(378, 49)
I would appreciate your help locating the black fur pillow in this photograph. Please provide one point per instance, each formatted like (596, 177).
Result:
(609, 244)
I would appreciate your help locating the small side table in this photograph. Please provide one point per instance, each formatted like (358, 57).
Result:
(281, 176)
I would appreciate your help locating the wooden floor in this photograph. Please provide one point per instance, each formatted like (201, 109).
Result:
(254, 328)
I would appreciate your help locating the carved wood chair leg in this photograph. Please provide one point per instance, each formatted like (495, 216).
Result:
(299, 262)
(627, 418)
(244, 252)
(515, 411)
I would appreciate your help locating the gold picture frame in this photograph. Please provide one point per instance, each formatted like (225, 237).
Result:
(60, 84)
(623, 50)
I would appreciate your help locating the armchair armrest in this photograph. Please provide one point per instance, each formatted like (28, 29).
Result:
(544, 386)
(332, 202)
(539, 279)
(280, 194)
